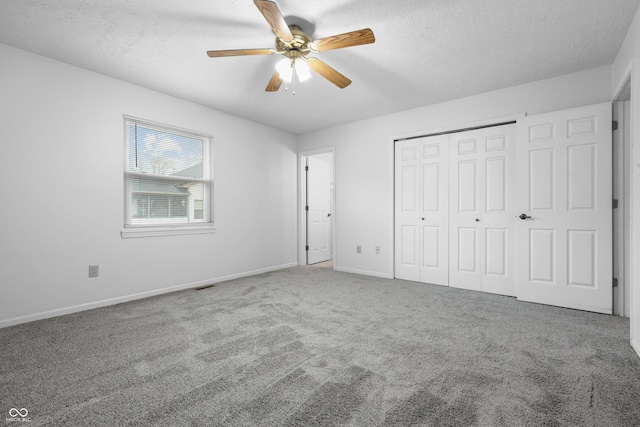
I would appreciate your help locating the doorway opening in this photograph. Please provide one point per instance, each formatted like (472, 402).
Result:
(622, 166)
(317, 205)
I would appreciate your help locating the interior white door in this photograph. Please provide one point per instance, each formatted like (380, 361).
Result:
(482, 210)
(319, 209)
(421, 209)
(565, 237)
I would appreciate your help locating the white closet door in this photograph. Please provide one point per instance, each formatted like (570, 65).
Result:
(421, 206)
(482, 210)
(564, 174)
(407, 202)
(434, 215)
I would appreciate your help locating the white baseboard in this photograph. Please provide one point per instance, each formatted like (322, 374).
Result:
(132, 297)
(636, 347)
(365, 272)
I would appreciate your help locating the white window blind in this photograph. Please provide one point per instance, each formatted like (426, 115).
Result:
(168, 177)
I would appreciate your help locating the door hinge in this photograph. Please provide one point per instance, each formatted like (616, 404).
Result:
(615, 203)
(615, 282)
(614, 125)
(306, 168)
(306, 248)
(306, 208)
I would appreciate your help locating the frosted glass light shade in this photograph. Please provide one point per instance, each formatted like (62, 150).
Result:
(285, 70)
(302, 71)
(283, 67)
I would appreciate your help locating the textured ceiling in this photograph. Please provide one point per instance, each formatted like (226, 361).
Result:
(426, 51)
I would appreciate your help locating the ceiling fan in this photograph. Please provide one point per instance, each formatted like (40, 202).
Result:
(295, 46)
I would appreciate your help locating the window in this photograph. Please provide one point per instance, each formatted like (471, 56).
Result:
(168, 180)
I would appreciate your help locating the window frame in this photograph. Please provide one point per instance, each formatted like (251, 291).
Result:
(131, 230)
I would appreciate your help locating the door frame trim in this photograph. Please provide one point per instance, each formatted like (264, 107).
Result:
(631, 76)
(622, 168)
(302, 197)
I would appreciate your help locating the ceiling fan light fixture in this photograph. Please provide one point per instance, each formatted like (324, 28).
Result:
(285, 68)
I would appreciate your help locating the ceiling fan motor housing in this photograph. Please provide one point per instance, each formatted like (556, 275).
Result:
(297, 47)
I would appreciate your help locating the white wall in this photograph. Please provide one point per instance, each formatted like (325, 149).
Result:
(364, 156)
(61, 174)
(627, 63)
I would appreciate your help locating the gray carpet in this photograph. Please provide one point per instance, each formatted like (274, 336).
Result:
(314, 347)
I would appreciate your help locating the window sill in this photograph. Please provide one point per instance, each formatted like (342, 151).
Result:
(134, 232)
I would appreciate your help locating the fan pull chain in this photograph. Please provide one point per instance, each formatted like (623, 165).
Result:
(293, 75)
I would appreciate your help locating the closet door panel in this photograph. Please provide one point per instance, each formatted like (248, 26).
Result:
(434, 217)
(407, 210)
(421, 209)
(498, 218)
(465, 194)
(482, 212)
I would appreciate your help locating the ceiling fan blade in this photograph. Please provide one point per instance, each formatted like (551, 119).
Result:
(239, 52)
(353, 38)
(273, 16)
(274, 83)
(327, 72)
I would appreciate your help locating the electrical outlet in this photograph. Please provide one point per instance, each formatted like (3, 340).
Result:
(377, 250)
(358, 249)
(93, 270)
